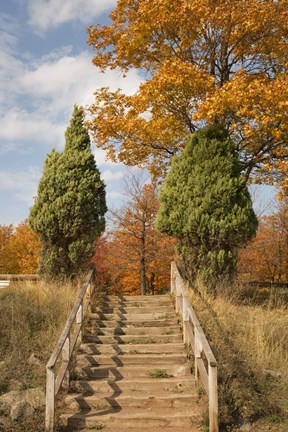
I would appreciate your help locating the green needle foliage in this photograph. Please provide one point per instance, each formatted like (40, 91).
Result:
(70, 206)
(205, 204)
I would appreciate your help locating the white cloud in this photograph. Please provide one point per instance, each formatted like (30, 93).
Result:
(114, 195)
(69, 79)
(52, 85)
(100, 158)
(8, 30)
(46, 14)
(19, 125)
(37, 95)
(22, 184)
(109, 175)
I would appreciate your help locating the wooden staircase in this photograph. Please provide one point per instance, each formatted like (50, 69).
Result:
(132, 372)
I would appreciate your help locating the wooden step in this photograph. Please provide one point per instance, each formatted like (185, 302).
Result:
(130, 371)
(137, 299)
(132, 316)
(149, 418)
(141, 387)
(195, 428)
(133, 371)
(84, 360)
(92, 348)
(130, 330)
(134, 339)
(101, 403)
(132, 309)
(137, 323)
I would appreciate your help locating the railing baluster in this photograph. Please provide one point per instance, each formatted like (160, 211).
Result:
(178, 294)
(50, 399)
(66, 358)
(173, 280)
(197, 353)
(65, 346)
(213, 398)
(79, 320)
(199, 345)
(185, 320)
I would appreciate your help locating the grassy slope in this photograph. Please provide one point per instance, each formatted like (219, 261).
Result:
(32, 318)
(249, 341)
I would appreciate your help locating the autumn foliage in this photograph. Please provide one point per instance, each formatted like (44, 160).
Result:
(266, 258)
(134, 257)
(203, 61)
(19, 249)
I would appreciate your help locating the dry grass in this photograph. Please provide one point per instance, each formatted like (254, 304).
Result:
(32, 317)
(259, 332)
(251, 345)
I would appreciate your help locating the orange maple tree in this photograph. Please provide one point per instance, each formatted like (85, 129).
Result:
(137, 257)
(203, 61)
(266, 258)
(19, 250)
(8, 263)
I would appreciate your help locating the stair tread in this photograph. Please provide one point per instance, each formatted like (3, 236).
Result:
(169, 397)
(129, 339)
(162, 356)
(147, 380)
(148, 429)
(132, 412)
(133, 323)
(132, 348)
(116, 363)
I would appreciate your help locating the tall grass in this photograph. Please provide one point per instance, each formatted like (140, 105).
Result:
(32, 316)
(251, 345)
(259, 332)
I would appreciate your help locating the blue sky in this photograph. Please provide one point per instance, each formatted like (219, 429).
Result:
(45, 68)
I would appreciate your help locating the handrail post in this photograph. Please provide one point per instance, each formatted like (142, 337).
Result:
(185, 319)
(66, 359)
(89, 295)
(178, 295)
(213, 398)
(50, 399)
(65, 346)
(173, 278)
(197, 352)
(193, 334)
(79, 320)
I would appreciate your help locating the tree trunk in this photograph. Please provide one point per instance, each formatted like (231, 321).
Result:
(143, 262)
(143, 275)
(152, 284)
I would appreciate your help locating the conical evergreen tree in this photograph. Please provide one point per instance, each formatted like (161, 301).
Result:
(205, 203)
(70, 206)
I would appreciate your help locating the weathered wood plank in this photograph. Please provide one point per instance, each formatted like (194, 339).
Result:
(194, 334)
(203, 374)
(65, 345)
(19, 277)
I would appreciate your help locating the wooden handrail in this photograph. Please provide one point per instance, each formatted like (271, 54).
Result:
(19, 277)
(65, 346)
(194, 336)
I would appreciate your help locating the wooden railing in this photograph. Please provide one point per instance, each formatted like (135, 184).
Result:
(205, 362)
(6, 279)
(57, 375)
(19, 277)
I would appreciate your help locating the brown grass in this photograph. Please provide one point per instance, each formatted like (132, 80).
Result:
(251, 345)
(32, 318)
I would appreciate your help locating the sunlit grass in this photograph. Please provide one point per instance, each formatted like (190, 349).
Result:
(32, 318)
